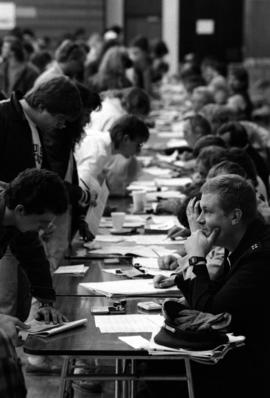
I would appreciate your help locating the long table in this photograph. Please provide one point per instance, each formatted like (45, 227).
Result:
(88, 342)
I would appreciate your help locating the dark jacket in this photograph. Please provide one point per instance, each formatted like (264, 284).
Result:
(16, 153)
(244, 293)
(29, 251)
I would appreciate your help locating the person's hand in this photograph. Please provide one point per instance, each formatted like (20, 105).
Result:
(50, 314)
(177, 231)
(84, 232)
(10, 325)
(163, 282)
(200, 245)
(168, 262)
(193, 212)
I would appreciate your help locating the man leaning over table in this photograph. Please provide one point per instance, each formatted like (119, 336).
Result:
(29, 203)
(229, 219)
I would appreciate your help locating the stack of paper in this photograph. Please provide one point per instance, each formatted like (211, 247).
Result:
(72, 269)
(207, 356)
(134, 287)
(133, 323)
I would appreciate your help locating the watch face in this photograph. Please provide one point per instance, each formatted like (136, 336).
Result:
(194, 260)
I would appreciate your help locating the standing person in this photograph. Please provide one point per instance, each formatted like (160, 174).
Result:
(23, 121)
(69, 61)
(16, 73)
(93, 155)
(29, 203)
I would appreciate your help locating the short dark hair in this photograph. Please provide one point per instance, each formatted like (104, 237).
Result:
(131, 126)
(211, 155)
(199, 125)
(226, 167)
(205, 141)
(38, 191)
(58, 96)
(136, 101)
(234, 192)
(69, 50)
(240, 157)
(90, 99)
(238, 134)
(140, 42)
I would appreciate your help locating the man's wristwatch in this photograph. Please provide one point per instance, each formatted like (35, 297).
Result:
(194, 260)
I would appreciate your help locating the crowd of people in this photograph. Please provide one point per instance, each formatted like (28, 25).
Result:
(74, 118)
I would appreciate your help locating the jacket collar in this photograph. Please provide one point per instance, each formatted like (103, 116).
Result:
(250, 240)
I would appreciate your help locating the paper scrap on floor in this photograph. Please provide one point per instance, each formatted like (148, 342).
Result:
(130, 323)
(129, 287)
(71, 269)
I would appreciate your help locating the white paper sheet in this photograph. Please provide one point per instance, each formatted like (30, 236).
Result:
(173, 182)
(133, 323)
(137, 342)
(149, 263)
(152, 239)
(94, 214)
(124, 250)
(129, 287)
(71, 269)
(158, 171)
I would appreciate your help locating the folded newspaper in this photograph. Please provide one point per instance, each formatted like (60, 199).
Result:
(43, 329)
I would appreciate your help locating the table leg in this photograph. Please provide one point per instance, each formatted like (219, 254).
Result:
(63, 383)
(116, 383)
(189, 378)
(132, 382)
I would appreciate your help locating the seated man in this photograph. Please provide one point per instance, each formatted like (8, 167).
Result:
(31, 202)
(229, 219)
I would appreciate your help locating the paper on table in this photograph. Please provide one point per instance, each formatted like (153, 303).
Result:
(173, 182)
(162, 251)
(71, 269)
(159, 239)
(158, 171)
(134, 287)
(175, 143)
(121, 250)
(130, 323)
(131, 221)
(137, 342)
(94, 214)
(109, 238)
(146, 262)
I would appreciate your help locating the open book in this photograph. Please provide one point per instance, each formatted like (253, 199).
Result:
(42, 329)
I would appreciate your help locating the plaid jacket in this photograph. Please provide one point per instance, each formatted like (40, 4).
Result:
(11, 377)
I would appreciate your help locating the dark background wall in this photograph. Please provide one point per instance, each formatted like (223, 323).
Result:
(226, 42)
(257, 28)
